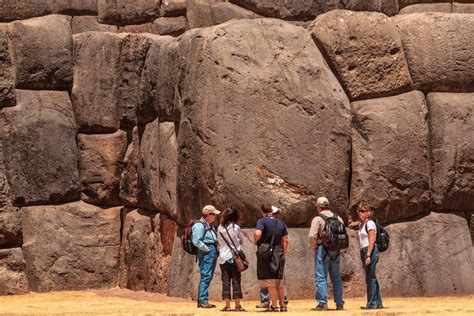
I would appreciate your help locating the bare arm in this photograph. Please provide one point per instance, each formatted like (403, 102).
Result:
(257, 235)
(371, 242)
(284, 241)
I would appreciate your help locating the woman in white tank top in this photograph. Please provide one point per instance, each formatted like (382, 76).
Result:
(369, 255)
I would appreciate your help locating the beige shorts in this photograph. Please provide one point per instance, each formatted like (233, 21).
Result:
(271, 283)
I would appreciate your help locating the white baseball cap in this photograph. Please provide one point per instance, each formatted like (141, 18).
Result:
(275, 209)
(322, 201)
(210, 209)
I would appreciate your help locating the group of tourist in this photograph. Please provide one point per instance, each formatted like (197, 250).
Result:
(224, 246)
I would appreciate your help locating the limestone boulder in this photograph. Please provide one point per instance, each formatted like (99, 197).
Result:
(168, 167)
(137, 28)
(120, 12)
(171, 8)
(149, 167)
(159, 94)
(388, 7)
(365, 51)
(7, 70)
(452, 150)
(42, 126)
(89, 23)
(75, 7)
(100, 166)
(463, 7)
(224, 11)
(71, 246)
(129, 178)
(444, 65)
(390, 156)
(288, 10)
(144, 265)
(42, 52)
(13, 279)
(198, 13)
(95, 93)
(173, 26)
(427, 7)
(404, 3)
(21, 9)
(253, 128)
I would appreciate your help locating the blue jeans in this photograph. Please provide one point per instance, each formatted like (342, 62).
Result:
(207, 264)
(324, 262)
(374, 298)
(265, 296)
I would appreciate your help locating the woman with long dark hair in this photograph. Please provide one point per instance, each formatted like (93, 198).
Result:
(230, 240)
(369, 255)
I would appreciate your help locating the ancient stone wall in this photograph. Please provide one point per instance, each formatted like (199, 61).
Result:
(121, 119)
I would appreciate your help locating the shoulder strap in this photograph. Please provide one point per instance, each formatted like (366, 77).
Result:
(230, 237)
(206, 228)
(228, 245)
(365, 226)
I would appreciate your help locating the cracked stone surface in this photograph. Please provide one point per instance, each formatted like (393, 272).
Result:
(253, 128)
(71, 246)
(12, 272)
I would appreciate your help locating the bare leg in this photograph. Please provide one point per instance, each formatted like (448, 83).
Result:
(237, 302)
(227, 302)
(273, 295)
(281, 295)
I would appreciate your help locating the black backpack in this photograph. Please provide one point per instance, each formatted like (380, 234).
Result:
(187, 237)
(334, 235)
(382, 239)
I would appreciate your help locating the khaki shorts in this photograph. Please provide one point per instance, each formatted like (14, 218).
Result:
(271, 283)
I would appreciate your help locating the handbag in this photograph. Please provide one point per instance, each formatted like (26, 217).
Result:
(265, 249)
(238, 256)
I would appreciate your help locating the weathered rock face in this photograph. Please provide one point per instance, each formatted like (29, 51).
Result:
(198, 13)
(173, 8)
(168, 169)
(101, 164)
(87, 23)
(463, 7)
(7, 71)
(42, 126)
(388, 7)
(365, 51)
(452, 150)
(127, 12)
(95, 94)
(253, 128)
(427, 7)
(21, 9)
(160, 96)
(224, 11)
(143, 263)
(430, 274)
(75, 7)
(288, 10)
(42, 52)
(430, 67)
(390, 156)
(71, 246)
(173, 26)
(149, 167)
(12, 272)
(404, 3)
(129, 178)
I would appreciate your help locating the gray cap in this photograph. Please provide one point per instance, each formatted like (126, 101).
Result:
(322, 201)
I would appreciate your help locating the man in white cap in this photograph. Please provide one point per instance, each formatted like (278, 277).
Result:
(204, 237)
(325, 260)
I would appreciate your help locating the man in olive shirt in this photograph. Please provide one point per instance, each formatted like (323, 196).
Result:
(325, 260)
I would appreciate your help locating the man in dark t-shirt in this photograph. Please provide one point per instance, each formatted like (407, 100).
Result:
(270, 271)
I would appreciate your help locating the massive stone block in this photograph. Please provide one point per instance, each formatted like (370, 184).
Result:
(365, 51)
(446, 64)
(95, 94)
(173, 26)
(39, 146)
(390, 156)
(71, 246)
(198, 13)
(143, 263)
(75, 7)
(129, 178)
(427, 7)
(404, 3)
(21, 9)
(7, 71)
(388, 7)
(452, 150)
(463, 7)
(159, 94)
(121, 12)
(42, 52)
(254, 128)
(87, 23)
(430, 268)
(173, 8)
(288, 10)
(149, 166)
(168, 167)
(12, 272)
(224, 11)
(101, 164)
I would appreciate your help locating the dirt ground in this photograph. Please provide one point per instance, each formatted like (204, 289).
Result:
(125, 302)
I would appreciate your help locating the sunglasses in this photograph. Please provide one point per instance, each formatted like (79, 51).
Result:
(362, 211)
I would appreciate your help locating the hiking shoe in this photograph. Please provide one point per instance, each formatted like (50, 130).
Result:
(320, 307)
(263, 305)
(340, 307)
(271, 309)
(368, 307)
(206, 305)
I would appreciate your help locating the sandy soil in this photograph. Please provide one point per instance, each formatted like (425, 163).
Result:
(125, 302)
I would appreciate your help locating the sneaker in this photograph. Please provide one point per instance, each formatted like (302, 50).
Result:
(368, 307)
(320, 307)
(263, 305)
(340, 307)
(205, 305)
